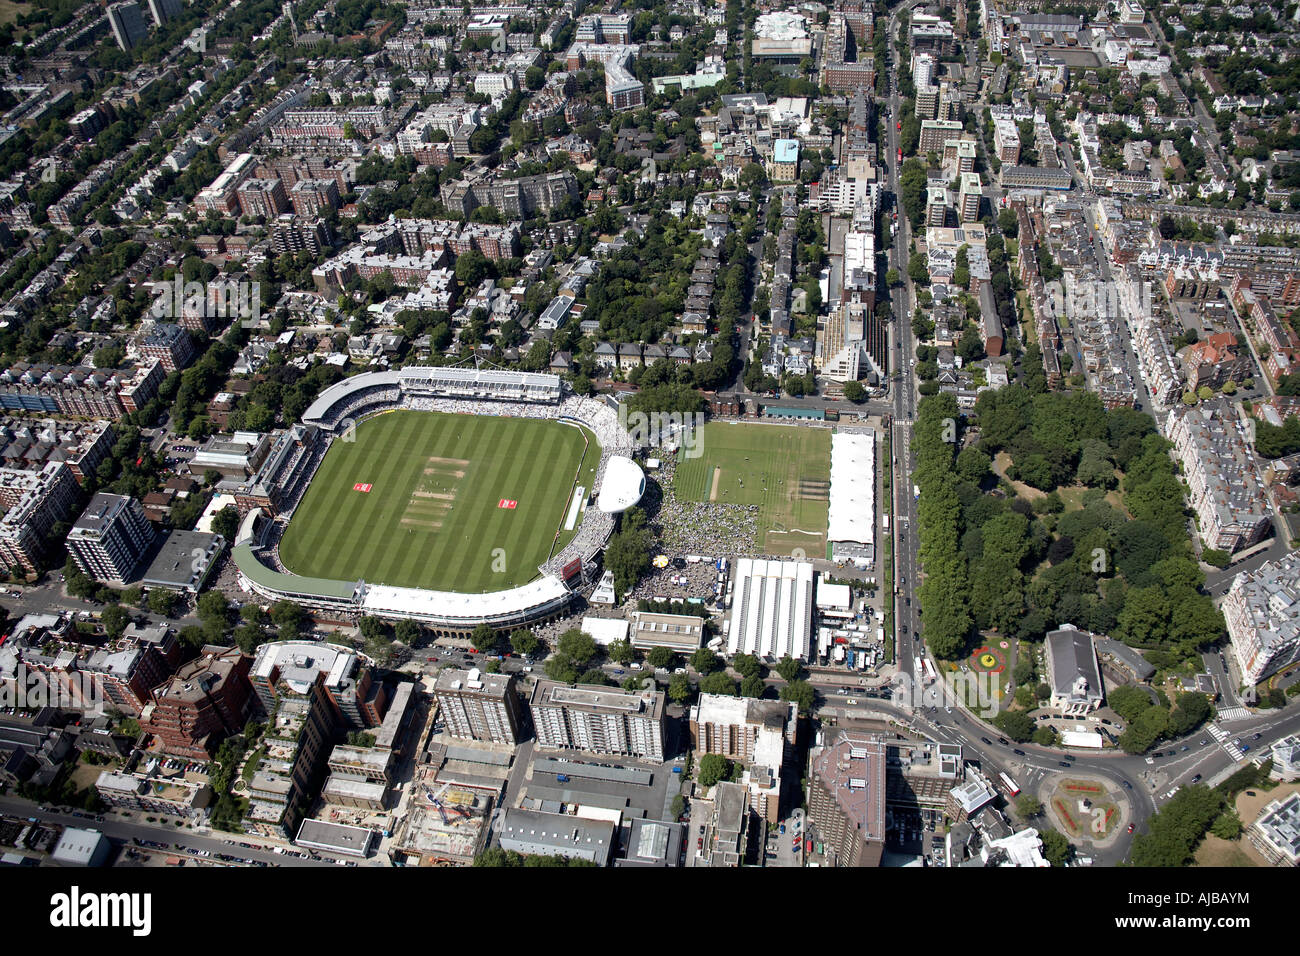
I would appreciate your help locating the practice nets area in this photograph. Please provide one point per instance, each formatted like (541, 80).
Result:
(783, 469)
(444, 502)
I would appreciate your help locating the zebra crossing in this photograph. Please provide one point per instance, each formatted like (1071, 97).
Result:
(1234, 713)
(1221, 735)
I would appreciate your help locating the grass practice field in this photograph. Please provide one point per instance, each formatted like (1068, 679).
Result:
(784, 469)
(424, 499)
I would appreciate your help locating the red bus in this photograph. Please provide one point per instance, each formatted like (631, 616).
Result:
(1009, 784)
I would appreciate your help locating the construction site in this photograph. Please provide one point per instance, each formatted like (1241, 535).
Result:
(443, 823)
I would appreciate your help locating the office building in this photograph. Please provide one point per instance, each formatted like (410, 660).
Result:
(110, 538)
(846, 797)
(479, 706)
(599, 719)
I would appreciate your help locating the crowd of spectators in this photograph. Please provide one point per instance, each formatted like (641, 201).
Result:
(704, 527)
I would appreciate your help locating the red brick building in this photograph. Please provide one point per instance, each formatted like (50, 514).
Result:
(202, 704)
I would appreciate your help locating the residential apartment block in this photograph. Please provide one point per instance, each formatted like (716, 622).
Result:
(846, 798)
(1262, 612)
(34, 504)
(479, 706)
(110, 538)
(202, 704)
(1223, 481)
(599, 719)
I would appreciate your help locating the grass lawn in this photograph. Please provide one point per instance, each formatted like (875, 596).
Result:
(432, 516)
(1095, 823)
(1215, 851)
(1073, 498)
(783, 469)
(11, 11)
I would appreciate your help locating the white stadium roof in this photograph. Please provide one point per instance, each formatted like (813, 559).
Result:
(623, 486)
(852, 515)
(772, 610)
(447, 606)
(339, 390)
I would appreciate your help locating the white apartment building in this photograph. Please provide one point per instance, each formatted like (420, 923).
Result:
(1224, 487)
(599, 719)
(1262, 611)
